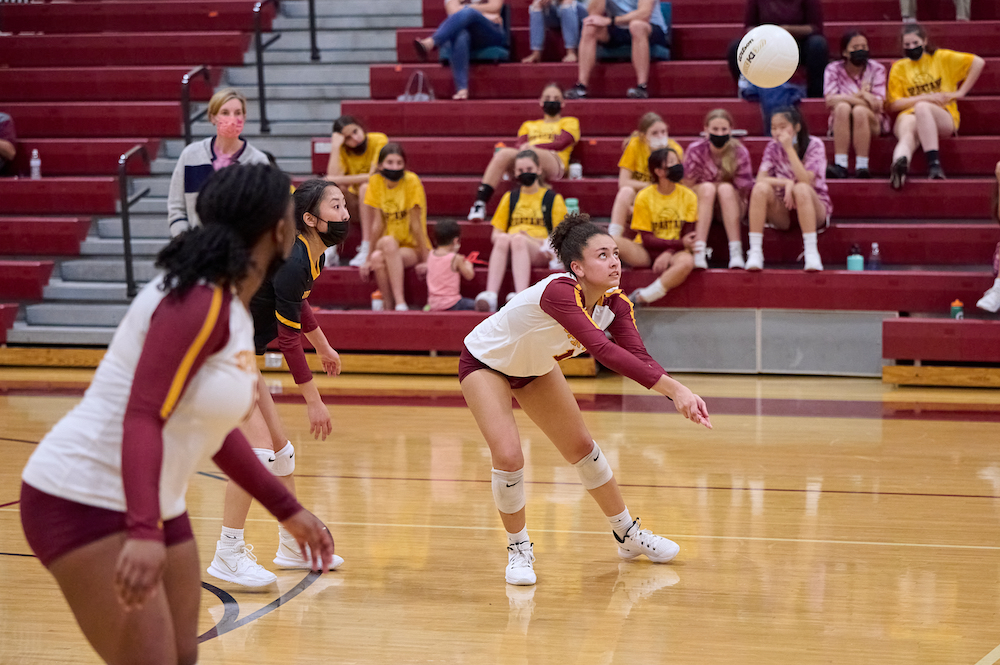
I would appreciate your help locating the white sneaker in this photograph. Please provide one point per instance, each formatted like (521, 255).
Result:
(700, 262)
(486, 302)
(402, 307)
(813, 262)
(332, 257)
(477, 212)
(755, 260)
(510, 296)
(236, 563)
(289, 556)
(519, 571)
(736, 262)
(638, 541)
(990, 300)
(362, 256)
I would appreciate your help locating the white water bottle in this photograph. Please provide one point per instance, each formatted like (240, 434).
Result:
(36, 165)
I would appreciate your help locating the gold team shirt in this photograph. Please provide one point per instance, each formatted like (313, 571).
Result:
(528, 215)
(395, 205)
(636, 157)
(941, 72)
(361, 164)
(542, 131)
(664, 215)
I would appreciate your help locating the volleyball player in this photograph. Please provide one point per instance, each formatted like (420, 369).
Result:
(280, 311)
(515, 352)
(102, 502)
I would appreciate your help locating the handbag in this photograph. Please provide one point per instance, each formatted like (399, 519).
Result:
(423, 92)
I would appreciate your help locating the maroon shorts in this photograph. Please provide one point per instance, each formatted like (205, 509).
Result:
(55, 526)
(468, 363)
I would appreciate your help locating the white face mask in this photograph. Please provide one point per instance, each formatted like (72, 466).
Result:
(658, 142)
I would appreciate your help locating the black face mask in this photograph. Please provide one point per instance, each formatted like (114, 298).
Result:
(527, 179)
(361, 148)
(858, 58)
(675, 173)
(334, 234)
(718, 140)
(552, 107)
(914, 53)
(395, 175)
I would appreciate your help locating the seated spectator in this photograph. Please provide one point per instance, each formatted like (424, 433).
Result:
(521, 225)
(718, 170)
(353, 158)
(855, 89)
(399, 230)
(923, 89)
(446, 269)
(551, 139)
(791, 178)
(633, 167)
(564, 14)
(664, 216)
(8, 145)
(908, 8)
(638, 23)
(804, 20)
(991, 299)
(227, 110)
(471, 24)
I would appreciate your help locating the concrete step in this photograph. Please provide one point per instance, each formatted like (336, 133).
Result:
(152, 225)
(307, 92)
(368, 54)
(337, 40)
(282, 147)
(150, 205)
(383, 21)
(113, 292)
(335, 8)
(72, 314)
(146, 247)
(105, 270)
(165, 167)
(22, 333)
(158, 184)
(319, 73)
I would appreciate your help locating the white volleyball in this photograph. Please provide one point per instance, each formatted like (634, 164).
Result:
(768, 56)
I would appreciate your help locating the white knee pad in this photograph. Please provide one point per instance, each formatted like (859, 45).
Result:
(594, 469)
(508, 490)
(266, 457)
(284, 461)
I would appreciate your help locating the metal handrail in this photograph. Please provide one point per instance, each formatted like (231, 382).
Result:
(265, 126)
(314, 48)
(127, 202)
(186, 99)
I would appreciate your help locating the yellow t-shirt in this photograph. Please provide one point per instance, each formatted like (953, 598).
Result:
(361, 164)
(395, 205)
(941, 72)
(528, 215)
(664, 215)
(636, 157)
(541, 131)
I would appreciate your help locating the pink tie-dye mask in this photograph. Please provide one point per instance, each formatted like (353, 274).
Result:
(229, 127)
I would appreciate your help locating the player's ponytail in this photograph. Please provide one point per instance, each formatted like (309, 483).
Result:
(572, 235)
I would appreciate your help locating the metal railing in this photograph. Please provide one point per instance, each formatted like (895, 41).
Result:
(260, 46)
(314, 49)
(186, 100)
(127, 202)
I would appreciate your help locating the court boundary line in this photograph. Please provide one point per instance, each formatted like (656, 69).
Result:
(8, 438)
(990, 658)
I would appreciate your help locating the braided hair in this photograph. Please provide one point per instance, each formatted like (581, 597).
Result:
(237, 206)
(572, 235)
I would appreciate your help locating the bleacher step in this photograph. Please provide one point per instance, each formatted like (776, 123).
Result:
(22, 333)
(320, 73)
(142, 226)
(303, 57)
(329, 23)
(115, 247)
(282, 147)
(335, 8)
(72, 314)
(58, 289)
(105, 270)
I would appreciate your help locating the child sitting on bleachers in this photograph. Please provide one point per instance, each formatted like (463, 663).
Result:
(445, 270)
(990, 301)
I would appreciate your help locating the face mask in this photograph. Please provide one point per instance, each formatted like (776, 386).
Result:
(229, 127)
(527, 179)
(334, 234)
(914, 53)
(361, 148)
(858, 58)
(675, 173)
(658, 142)
(552, 107)
(395, 175)
(718, 140)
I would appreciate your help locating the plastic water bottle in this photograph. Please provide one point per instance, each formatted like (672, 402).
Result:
(572, 205)
(958, 310)
(378, 304)
(36, 165)
(854, 260)
(875, 258)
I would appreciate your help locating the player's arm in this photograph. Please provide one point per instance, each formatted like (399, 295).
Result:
(653, 242)
(417, 231)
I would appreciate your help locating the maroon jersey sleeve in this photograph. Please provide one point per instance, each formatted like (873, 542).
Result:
(183, 332)
(309, 323)
(239, 462)
(290, 343)
(626, 333)
(651, 242)
(563, 301)
(561, 142)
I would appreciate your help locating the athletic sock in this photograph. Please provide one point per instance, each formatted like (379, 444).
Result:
(519, 537)
(699, 246)
(484, 192)
(860, 162)
(615, 230)
(653, 292)
(736, 248)
(840, 160)
(809, 242)
(933, 157)
(621, 522)
(756, 241)
(231, 536)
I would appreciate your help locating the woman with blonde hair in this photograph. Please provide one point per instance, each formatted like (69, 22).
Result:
(718, 169)
(227, 110)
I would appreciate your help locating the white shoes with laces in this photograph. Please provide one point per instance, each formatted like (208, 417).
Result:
(519, 571)
(477, 213)
(639, 541)
(289, 556)
(236, 563)
(755, 260)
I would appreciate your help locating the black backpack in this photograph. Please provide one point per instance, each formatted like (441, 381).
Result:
(547, 200)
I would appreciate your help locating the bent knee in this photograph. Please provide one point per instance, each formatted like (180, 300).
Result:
(762, 189)
(861, 113)
(924, 107)
(518, 242)
(843, 109)
(502, 242)
(707, 189)
(639, 28)
(508, 458)
(801, 189)
(387, 244)
(684, 261)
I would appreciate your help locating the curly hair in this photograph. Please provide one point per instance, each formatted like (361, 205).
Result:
(572, 235)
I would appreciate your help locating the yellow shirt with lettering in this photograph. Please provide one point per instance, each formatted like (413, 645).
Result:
(361, 163)
(943, 71)
(528, 215)
(395, 205)
(664, 215)
(636, 157)
(542, 131)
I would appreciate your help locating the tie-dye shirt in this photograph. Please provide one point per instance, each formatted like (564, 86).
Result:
(874, 79)
(776, 164)
(699, 166)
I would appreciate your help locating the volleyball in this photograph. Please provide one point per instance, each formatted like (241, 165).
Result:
(768, 56)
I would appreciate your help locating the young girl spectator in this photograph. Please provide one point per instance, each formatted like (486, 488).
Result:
(791, 177)
(718, 170)
(661, 212)
(991, 299)
(855, 89)
(227, 110)
(564, 14)
(353, 158)
(551, 139)
(923, 89)
(399, 210)
(445, 270)
(471, 24)
(523, 220)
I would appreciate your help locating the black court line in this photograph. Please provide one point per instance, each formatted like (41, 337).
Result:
(7, 438)
(211, 475)
(9, 503)
(229, 621)
(32, 556)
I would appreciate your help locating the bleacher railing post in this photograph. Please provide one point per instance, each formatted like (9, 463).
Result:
(312, 31)
(186, 100)
(259, 46)
(126, 203)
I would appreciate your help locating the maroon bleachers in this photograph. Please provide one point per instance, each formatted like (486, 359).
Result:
(24, 280)
(96, 119)
(44, 236)
(76, 84)
(404, 331)
(59, 196)
(8, 313)
(112, 16)
(120, 48)
(942, 340)
(66, 157)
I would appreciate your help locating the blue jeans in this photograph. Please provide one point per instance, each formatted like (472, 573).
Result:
(465, 30)
(567, 17)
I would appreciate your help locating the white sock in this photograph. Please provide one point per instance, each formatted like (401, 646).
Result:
(860, 162)
(615, 230)
(699, 247)
(756, 242)
(519, 537)
(809, 242)
(840, 160)
(736, 248)
(653, 292)
(231, 536)
(996, 283)
(621, 522)
(363, 246)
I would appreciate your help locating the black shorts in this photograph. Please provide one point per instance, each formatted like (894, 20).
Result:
(619, 36)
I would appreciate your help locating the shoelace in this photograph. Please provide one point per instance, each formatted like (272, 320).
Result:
(523, 557)
(247, 551)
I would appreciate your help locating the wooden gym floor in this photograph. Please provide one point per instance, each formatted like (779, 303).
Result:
(822, 521)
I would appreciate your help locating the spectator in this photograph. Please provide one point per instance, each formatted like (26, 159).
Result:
(638, 23)
(662, 212)
(991, 299)
(923, 89)
(8, 145)
(521, 224)
(471, 24)
(804, 20)
(908, 8)
(445, 270)
(227, 110)
(855, 89)
(564, 14)
(353, 158)
(791, 178)
(399, 231)
(552, 139)
(718, 170)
